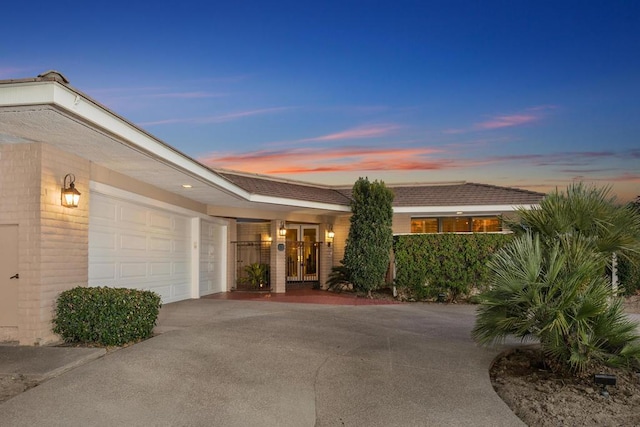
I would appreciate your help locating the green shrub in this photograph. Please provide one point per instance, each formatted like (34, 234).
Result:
(339, 278)
(559, 296)
(453, 264)
(368, 248)
(629, 274)
(106, 316)
(257, 274)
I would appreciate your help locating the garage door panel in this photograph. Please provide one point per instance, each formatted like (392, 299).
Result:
(103, 271)
(102, 210)
(211, 270)
(130, 270)
(182, 225)
(181, 246)
(104, 240)
(151, 249)
(180, 267)
(160, 269)
(134, 242)
(161, 222)
(160, 244)
(132, 215)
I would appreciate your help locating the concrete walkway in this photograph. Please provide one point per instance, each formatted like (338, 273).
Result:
(245, 363)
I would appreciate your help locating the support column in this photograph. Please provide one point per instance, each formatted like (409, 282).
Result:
(278, 259)
(326, 256)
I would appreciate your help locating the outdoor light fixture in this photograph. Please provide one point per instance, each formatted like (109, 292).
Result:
(330, 235)
(603, 380)
(282, 230)
(70, 196)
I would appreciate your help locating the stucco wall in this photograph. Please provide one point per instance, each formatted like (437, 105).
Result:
(401, 223)
(52, 239)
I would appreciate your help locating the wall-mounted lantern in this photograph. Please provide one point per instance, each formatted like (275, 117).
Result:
(330, 235)
(70, 196)
(282, 231)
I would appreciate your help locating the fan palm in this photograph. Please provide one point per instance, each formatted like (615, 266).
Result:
(587, 211)
(556, 293)
(550, 284)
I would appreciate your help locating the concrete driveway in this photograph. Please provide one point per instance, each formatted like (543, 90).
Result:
(249, 363)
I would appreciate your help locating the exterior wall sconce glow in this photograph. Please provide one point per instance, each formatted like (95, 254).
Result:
(330, 235)
(70, 196)
(282, 231)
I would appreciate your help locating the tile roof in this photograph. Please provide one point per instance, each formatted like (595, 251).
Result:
(446, 194)
(274, 187)
(462, 194)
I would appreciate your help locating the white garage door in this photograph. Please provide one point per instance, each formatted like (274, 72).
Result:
(212, 257)
(141, 247)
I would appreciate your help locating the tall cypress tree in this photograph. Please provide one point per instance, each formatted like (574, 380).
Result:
(368, 247)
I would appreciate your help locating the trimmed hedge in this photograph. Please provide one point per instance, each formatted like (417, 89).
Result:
(106, 316)
(629, 274)
(453, 264)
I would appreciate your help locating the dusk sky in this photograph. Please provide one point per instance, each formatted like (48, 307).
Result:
(529, 94)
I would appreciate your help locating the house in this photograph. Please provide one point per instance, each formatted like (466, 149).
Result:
(150, 217)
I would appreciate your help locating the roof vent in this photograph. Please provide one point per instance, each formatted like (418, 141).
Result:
(53, 75)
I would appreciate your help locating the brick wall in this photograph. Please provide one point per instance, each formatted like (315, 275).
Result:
(341, 229)
(52, 239)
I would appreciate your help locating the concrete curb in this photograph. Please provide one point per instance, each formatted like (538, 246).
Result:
(42, 363)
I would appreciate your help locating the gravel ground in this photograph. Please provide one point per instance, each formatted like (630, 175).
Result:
(541, 398)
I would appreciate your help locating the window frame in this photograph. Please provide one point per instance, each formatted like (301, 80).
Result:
(470, 229)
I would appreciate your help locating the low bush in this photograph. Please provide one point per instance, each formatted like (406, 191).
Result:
(339, 278)
(105, 316)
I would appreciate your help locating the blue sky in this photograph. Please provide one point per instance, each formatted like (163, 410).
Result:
(532, 94)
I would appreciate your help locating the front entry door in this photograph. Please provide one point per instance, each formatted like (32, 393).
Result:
(302, 253)
(9, 277)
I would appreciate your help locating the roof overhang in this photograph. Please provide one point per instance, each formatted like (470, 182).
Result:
(54, 113)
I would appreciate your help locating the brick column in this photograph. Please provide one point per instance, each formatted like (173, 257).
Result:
(278, 259)
(326, 256)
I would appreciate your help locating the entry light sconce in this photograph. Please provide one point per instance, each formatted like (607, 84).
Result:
(282, 231)
(70, 196)
(330, 234)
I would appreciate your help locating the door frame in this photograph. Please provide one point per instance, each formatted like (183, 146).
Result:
(301, 250)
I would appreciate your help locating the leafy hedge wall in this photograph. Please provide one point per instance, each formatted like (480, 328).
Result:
(629, 274)
(106, 316)
(453, 264)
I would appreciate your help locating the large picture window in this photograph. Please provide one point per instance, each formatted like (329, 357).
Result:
(424, 225)
(476, 224)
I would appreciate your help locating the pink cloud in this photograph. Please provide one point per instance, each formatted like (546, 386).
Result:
(216, 119)
(186, 95)
(309, 160)
(528, 116)
(18, 72)
(506, 121)
(374, 131)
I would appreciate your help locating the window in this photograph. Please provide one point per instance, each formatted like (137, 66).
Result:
(487, 225)
(424, 225)
(456, 225)
(479, 224)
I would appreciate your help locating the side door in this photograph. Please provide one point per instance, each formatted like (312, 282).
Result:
(9, 275)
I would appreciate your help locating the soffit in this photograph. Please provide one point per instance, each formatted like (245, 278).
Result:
(52, 125)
